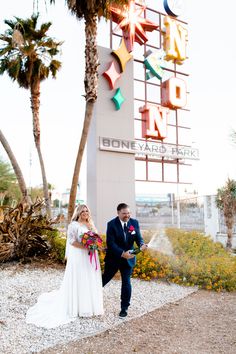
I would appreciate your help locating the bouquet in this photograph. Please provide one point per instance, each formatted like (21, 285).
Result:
(92, 241)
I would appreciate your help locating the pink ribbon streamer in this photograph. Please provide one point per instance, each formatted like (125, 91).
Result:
(91, 255)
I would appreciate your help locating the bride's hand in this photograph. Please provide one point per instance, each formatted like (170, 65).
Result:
(78, 245)
(102, 249)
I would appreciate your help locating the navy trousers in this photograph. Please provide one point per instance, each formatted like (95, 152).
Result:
(125, 271)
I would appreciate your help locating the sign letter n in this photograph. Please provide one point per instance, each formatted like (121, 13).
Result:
(154, 121)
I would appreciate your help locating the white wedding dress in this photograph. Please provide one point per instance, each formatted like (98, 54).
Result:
(80, 293)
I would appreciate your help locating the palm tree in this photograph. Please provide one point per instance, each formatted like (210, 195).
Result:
(27, 56)
(226, 201)
(9, 188)
(90, 11)
(16, 168)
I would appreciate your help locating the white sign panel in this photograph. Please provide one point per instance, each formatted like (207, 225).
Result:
(148, 148)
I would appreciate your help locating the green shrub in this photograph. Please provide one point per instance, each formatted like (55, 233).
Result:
(57, 242)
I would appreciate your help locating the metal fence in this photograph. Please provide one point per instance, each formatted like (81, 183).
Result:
(188, 214)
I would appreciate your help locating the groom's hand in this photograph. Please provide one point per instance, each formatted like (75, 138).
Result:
(127, 255)
(143, 247)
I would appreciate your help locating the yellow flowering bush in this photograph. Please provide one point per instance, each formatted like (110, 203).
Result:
(151, 265)
(197, 260)
(202, 261)
(102, 254)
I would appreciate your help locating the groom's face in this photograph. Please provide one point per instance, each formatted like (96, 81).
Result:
(124, 214)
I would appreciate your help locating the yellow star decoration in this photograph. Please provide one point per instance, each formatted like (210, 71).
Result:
(122, 55)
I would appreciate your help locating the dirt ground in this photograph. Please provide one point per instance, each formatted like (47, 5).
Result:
(202, 323)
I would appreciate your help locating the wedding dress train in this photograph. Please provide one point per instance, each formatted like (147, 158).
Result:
(80, 293)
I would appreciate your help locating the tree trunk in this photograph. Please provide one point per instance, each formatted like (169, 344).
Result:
(90, 84)
(16, 168)
(83, 140)
(35, 103)
(229, 221)
(229, 238)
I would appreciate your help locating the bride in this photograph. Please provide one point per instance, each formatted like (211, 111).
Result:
(80, 293)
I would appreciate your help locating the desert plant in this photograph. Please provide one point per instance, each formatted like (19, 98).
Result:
(226, 201)
(57, 243)
(22, 232)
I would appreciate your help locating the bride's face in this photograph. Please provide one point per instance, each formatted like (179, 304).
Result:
(84, 214)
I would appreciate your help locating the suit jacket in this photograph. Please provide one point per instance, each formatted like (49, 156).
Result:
(117, 243)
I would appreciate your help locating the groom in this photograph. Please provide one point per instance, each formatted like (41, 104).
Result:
(121, 234)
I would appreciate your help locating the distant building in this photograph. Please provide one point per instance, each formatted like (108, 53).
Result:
(66, 195)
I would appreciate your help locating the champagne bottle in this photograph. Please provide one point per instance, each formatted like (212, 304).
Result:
(135, 251)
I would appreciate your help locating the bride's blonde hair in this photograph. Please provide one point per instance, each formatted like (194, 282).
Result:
(77, 216)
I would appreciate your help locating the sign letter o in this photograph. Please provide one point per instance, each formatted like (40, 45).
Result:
(174, 93)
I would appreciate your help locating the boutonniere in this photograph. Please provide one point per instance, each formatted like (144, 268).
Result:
(131, 230)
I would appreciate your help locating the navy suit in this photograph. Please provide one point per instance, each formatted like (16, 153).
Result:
(117, 243)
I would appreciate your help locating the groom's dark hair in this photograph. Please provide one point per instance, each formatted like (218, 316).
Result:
(122, 206)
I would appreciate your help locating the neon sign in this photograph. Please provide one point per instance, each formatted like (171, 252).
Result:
(112, 75)
(173, 93)
(173, 90)
(133, 26)
(154, 121)
(122, 55)
(175, 40)
(173, 7)
(131, 22)
(154, 63)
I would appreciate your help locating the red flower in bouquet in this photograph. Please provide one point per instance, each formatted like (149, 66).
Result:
(92, 241)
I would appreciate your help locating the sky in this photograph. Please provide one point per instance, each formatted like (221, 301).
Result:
(212, 57)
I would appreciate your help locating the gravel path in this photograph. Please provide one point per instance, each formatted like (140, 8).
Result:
(202, 323)
(21, 285)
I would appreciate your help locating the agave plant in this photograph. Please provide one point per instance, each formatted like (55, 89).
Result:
(22, 231)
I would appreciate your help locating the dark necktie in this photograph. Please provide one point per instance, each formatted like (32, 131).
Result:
(125, 229)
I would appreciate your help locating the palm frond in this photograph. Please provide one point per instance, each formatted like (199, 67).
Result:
(35, 50)
(10, 23)
(43, 72)
(5, 50)
(6, 38)
(55, 65)
(45, 27)
(87, 8)
(14, 68)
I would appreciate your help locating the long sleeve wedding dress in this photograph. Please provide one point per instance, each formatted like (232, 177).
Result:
(80, 293)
